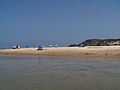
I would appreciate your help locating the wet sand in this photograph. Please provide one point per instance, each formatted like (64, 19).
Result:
(89, 51)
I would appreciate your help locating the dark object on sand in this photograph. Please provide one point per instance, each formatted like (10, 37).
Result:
(16, 47)
(27, 46)
(39, 47)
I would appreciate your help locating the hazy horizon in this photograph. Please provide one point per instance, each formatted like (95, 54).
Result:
(62, 22)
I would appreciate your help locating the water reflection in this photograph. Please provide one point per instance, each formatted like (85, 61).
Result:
(55, 73)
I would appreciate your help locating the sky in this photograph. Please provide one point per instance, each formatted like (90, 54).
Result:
(61, 22)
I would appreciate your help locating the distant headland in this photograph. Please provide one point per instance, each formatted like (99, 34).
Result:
(97, 42)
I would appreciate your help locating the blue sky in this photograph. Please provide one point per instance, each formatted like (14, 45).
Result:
(62, 22)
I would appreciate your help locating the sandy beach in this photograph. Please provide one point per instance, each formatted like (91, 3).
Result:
(89, 51)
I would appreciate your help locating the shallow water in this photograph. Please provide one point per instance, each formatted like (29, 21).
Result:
(55, 73)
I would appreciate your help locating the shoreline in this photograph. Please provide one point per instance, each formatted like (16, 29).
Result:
(89, 51)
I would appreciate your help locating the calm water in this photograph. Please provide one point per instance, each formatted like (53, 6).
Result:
(53, 73)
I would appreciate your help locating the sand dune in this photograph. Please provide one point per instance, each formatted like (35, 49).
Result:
(89, 51)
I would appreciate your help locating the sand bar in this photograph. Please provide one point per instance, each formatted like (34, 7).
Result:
(89, 51)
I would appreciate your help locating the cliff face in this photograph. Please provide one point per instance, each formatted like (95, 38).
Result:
(98, 42)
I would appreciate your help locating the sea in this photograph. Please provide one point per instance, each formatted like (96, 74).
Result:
(58, 73)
